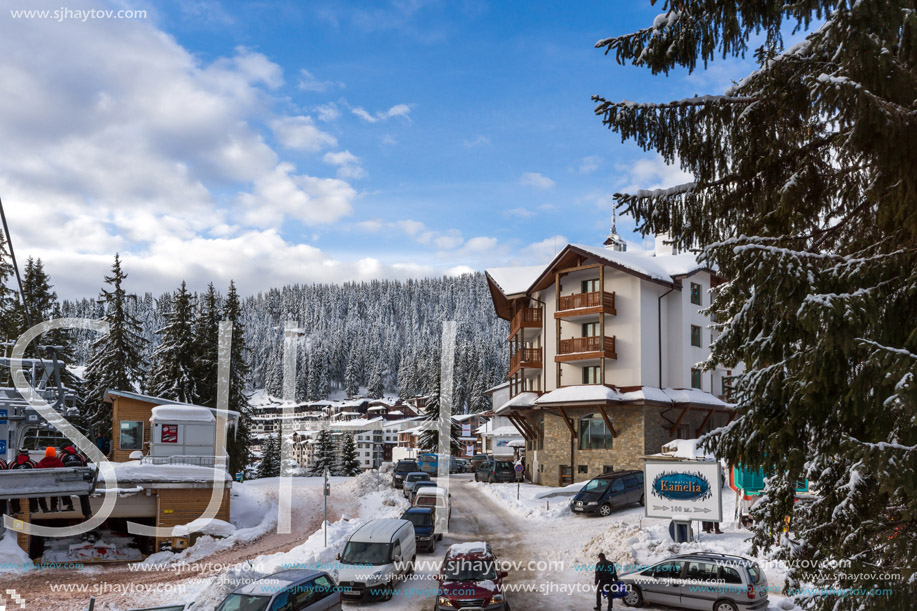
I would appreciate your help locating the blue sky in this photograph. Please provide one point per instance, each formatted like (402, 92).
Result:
(319, 141)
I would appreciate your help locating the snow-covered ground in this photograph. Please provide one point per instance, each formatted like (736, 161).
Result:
(626, 537)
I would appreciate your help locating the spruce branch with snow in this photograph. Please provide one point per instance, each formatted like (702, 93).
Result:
(805, 199)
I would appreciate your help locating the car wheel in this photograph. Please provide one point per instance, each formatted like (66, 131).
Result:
(725, 605)
(476, 478)
(642, 499)
(633, 598)
(389, 591)
(605, 510)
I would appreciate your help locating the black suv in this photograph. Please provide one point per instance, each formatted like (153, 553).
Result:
(402, 468)
(609, 491)
(495, 471)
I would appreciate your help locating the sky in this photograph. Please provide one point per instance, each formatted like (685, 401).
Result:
(312, 141)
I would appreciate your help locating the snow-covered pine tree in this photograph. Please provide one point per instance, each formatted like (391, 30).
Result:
(479, 401)
(238, 446)
(116, 362)
(38, 298)
(174, 365)
(429, 438)
(206, 346)
(270, 457)
(351, 388)
(8, 300)
(805, 199)
(349, 464)
(376, 386)
(324, 453)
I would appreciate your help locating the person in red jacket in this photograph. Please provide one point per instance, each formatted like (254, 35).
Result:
(71, 458)
(50, 461)
(23, 461)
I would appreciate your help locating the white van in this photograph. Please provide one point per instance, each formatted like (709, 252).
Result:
(376, 556)
(441, 501)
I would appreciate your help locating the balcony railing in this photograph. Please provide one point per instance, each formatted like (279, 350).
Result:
(526, 318)
(525, 357)
(596, 299)
(588, 344)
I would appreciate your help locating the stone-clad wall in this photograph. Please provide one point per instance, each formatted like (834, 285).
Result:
(641, 430)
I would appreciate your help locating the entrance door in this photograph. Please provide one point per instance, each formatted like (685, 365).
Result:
(566, 475)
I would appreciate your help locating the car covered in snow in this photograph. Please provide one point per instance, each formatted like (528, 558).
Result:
(300, 589)
(469, 578)
(702, 580)
(377, 556)
(609, 491)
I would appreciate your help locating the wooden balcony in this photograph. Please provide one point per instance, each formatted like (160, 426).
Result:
(582, 348)
(582, 304)
(526, 318)
(525, 358)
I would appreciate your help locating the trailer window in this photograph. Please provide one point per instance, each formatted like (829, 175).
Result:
(131, 437)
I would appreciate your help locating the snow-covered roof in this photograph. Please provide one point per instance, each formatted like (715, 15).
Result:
(512, 280)
(463, 417)
(595, 393)
(136, 472)
(494, 389)
(523, 399)
(184, 413)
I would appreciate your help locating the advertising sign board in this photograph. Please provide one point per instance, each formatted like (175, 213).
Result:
(683, 490)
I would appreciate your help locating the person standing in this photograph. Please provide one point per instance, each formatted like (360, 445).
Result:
(605, 576)
(23, 461)
(71, 458)
(50, 461)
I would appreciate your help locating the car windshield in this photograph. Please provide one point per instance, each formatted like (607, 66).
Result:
(466, 569)
(244, 602)
(596, 485)
(419, 519)
(358, 552)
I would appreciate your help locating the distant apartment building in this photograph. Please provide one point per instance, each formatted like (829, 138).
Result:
(604, 352)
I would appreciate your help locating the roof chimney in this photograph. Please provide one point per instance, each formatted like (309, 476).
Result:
(664, 245)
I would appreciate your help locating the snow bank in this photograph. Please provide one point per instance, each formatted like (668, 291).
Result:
(535, 502)
(12, 558)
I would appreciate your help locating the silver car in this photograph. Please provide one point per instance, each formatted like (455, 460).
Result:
(703, 580)
(293, 590)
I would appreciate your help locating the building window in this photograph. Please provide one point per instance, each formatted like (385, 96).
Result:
(695, 378)
(590, 375)
(695, 294)
(131, 437)
(591, 286)
(582, 469)
(608, 468)
(594, 434)
(590, 329)
(695, 336)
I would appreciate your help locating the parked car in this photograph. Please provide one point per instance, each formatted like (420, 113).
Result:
(469, 578)
(495, 471)
(477, 459)
(412, 478)
(402, 468)
(417, 486)
(462, 465)
(424, 532)
(440, 500)
(304, 589)
(609, 491)
(379, 554)
(702, 580)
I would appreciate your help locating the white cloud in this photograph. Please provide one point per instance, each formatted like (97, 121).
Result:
(651, 173)
(480, 244)
(536, 180)
(328, 112)
(476, 141)
(518, 212)
(308, 82)
(307, 198)
(300, 133)
(589, 164)
(398, 110)
(540, 252)
(459, 270)
(349, 165)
